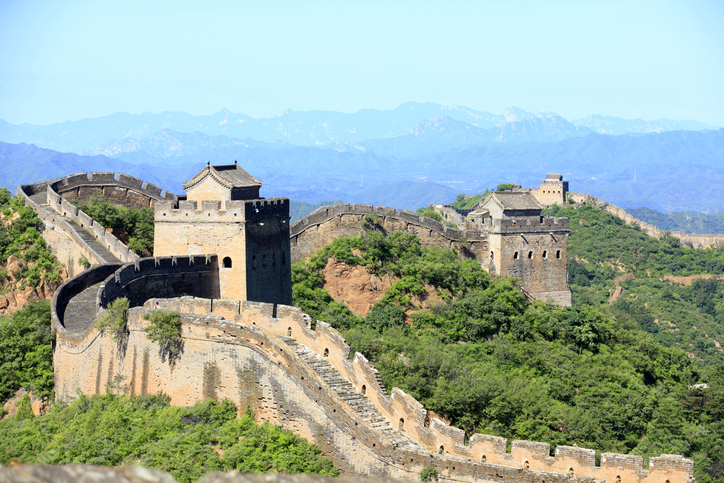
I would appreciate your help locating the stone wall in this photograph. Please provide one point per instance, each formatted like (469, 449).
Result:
(102, 235)
(244, 361)
(325, 224)
(119, 188)
(695, 240)
(64, 241)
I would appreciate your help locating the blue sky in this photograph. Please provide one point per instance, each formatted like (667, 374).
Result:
(74, 59)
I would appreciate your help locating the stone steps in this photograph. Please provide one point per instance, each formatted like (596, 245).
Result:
(42, 200)
(348, 393)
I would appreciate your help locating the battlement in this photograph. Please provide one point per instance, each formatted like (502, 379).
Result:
(64, 207)
(99, 180)
(229, 210)
(326, 213)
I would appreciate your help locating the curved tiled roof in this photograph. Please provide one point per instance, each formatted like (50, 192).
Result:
(228, 175)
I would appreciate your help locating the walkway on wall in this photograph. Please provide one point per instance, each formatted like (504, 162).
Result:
(42, 200)
(81, 310)
(358, 402)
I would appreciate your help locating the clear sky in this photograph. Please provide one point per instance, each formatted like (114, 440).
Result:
(647, 59)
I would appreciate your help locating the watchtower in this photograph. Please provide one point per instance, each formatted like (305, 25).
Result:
(525, 244)
(223, 214)
(552, 190)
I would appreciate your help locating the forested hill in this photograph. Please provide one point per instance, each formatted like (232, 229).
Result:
(672, 291)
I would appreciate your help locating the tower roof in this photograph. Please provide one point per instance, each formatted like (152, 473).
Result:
(511, 201)
(227, 175)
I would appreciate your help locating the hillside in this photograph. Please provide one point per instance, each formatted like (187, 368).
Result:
(481, 356)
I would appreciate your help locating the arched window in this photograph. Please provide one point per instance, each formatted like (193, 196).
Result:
(571, 473)
(526, 465)
(558, 254)
(364, 389)
(401, 426)
(492, 256)
(545, 254)
(530, 255)
(515, 256)
(289, 331)
(326, 352)
(441, 450)
(226, 263)
(484, 459)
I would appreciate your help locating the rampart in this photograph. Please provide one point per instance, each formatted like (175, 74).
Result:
(119, 188)
(695, 240)
(237, 350)
(67, 244)
(321, 227)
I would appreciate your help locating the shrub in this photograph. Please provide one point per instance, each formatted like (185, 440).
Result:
(428, 473)
(165, 328)
(115, 319)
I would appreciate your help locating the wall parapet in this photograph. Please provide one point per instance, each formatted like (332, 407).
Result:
(67, 209)
(58, 222)
(439, 437)
(103, 179)
(231, 210)
(326, 213)
(696, 240)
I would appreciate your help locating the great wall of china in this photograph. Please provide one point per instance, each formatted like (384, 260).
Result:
(267, 357)
(695, 240)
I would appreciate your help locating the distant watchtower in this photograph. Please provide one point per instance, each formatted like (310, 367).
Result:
(223, 214)
(552, 190)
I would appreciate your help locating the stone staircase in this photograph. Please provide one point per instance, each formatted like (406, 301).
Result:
(87, 236)
(359, 403)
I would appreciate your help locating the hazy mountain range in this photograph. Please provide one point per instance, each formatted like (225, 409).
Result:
(405, 157)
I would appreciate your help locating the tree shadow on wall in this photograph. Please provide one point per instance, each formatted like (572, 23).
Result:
(165, 328)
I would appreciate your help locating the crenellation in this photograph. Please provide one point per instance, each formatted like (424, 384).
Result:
(152, 189)
(622, 461)
(130, 181)
(582, 457)
(102, 177)
(384, 211)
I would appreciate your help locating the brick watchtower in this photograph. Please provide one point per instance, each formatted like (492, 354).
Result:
(223, 214)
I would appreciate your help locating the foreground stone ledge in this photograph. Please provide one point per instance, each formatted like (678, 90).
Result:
(76, 473)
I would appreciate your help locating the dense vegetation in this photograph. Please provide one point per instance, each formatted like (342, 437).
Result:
(26, 358)
(187, 442)
(465, 203)
(603, 252)
(20, 235)
(686, 221)
(494, 363)
(133, 226)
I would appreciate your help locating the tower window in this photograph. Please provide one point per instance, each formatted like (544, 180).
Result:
(226, 263)
(530, 255)
(284, 258)
(515, 256)
(558, 254)
(545, 254)
(253, 262)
